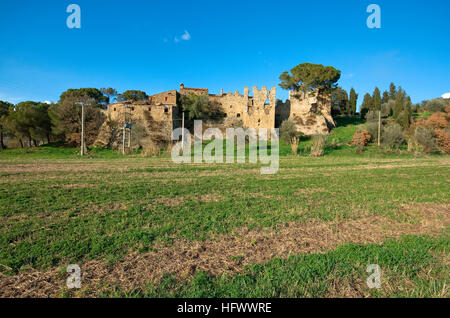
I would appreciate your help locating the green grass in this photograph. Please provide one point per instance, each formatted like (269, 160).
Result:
(52, 216)
(53, 151)
(58, 208)
(424, 115)
(411, 261)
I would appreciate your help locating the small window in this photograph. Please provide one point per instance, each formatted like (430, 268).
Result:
(238, 115)
(166, 109)
(114, 109)
(132, 109)
(165, 98)
(149, 109)
(231, 106)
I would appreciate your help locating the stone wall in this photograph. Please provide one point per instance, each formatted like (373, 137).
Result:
(257, 111)
(164, 98)
(154, 118)
(137, 111)
(310, 112)
(188, 90)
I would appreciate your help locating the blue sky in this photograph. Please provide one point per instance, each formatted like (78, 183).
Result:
(137, 44)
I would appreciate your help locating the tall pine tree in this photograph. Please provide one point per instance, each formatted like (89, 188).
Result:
(353, 100)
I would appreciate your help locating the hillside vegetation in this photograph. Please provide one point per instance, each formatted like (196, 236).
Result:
(140, 226)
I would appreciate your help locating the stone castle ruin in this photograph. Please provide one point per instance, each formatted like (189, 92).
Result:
(161, 113)
(311, 112)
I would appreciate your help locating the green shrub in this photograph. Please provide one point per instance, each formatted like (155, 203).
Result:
(392, 136)
(289, 134)
(387, 108)
(288, 131)
(425, 138)
(372, 116)
(372, 128)
(435, 105)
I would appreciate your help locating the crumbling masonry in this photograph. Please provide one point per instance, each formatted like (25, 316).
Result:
(311, 114)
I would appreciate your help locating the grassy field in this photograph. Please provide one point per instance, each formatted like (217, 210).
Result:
(142, 227)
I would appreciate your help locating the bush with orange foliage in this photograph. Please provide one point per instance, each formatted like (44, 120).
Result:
(443, 139)
(361, 139)
(440, 123)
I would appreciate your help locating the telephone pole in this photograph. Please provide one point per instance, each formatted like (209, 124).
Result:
(82, 129)
(126, 126)
(82, 103)
(379, 128)
(123, 131)
(182, 133)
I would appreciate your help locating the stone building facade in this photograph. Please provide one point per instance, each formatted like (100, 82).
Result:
(257, 111)
(311, 114)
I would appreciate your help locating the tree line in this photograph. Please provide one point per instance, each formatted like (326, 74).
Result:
(34, 123)
(422, 127)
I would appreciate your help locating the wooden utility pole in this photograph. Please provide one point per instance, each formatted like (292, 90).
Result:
(379, 128)
(82, 129)
(182, 133)
(82, 103)
(123, 131)
(129, 138)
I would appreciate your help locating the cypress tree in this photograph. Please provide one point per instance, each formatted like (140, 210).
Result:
(353, 100)
(385, 97)
(399, 103)
(392, 91)
(407, 110)
(366, 105)
(376, 100)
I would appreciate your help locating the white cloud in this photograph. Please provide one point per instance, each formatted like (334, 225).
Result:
(47, 102)
(186, 36)
(446, 96)
(10, 99)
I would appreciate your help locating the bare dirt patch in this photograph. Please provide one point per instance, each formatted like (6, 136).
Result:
(20, 168)
(312, 190)
(230, 253)
(210, 197)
